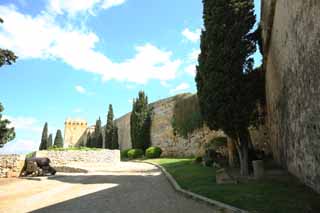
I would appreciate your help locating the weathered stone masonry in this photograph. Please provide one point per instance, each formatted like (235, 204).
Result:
(162, 134)
(11, 165)
(291, 35)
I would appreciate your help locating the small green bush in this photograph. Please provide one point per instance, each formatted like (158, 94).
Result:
(135, 153)
(153, 152)
(30, 155)
(124, 153)
(197, 160)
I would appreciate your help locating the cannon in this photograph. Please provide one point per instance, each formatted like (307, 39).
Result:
(38, 167)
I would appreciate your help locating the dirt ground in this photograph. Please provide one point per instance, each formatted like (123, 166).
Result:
(126, 187)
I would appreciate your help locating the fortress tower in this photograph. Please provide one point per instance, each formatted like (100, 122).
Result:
(75, 132)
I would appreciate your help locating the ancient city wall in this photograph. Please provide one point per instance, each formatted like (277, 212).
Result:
(60, 158)
(291, 35)
(11, 165)
(162, 134)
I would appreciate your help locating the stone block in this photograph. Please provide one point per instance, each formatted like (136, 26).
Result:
(222, 177)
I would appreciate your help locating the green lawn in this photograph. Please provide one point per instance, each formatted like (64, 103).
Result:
(281, 195)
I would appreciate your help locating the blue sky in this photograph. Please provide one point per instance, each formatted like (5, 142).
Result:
(78, 56)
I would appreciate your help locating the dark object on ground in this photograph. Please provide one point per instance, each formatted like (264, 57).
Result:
(38, 167)
(223, 177)
(212, 157)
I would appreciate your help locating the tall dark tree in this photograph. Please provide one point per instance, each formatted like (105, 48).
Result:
(7, 57)
(224, 64)
(6, 133)
(140, 122)
(95, 138)
(44, 137)
(58, 140)
(49, 142)
(115, 143)
(109, 128)
(100, 141)
(88, 143)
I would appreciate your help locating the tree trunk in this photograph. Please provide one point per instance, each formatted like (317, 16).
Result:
(242, 149)
(231, 152)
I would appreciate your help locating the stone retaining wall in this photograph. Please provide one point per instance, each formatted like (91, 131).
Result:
(11, 165)
(61, 158)
(291, 32)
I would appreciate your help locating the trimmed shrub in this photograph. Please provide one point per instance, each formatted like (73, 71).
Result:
(153, 152)
(135, 153)
(124, 153)
(197, 160)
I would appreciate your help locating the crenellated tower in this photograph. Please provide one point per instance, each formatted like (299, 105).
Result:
(75, 132)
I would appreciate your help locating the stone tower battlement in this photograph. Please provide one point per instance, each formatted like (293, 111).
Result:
(74, 132)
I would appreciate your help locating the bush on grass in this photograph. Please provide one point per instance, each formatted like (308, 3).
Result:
(135, 153)
(153, 152)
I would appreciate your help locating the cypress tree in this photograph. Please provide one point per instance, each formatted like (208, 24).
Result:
(115, 143)
(100, 141)
(222, 73)
(140, 122)
(44, 138)
(58, 140)
(49, 142)
(88, 143)
(109, 128)
(96, 134)
(6, 134)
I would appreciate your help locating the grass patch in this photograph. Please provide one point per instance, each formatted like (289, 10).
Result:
(81, 148)
(281, 195)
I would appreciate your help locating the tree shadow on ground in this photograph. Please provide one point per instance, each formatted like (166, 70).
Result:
(147, 193)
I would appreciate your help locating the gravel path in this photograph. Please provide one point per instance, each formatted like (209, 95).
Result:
(126, 187)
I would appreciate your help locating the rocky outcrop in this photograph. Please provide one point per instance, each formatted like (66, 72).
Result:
(11, 165)
(291, 35)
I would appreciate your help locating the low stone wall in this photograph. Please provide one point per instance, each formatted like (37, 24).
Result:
(11, 165)
(61, 158)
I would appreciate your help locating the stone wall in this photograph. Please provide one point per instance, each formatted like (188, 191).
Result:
(11, 165)
(291, 35)
(162, 134)
(61, 158)
(124, 137)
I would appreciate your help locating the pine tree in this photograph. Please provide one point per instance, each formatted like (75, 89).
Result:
(49, 142)
(140, 122)
(222, 73)
(109, 128)
(6, 133)
(7, 57)
(44, 138)
(115, 143)
(58, 140)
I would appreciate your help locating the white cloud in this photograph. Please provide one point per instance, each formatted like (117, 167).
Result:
(193, 56)
(73, 7)
(24, 123)
(77, 110)
(112, 3)
(80, 89)
(20, 146)
(165, 84)
(181, 87)
(41, 37)
(192, 36)
(191, 70)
